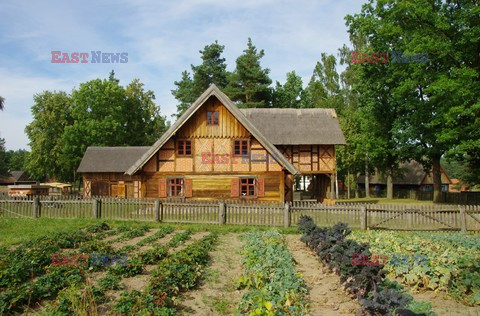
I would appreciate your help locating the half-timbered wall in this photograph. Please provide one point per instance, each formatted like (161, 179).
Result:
(112, 184)
(214, 186)
(213, 165)
(310, 159)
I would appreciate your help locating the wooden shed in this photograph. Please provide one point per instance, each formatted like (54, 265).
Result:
(217, 151)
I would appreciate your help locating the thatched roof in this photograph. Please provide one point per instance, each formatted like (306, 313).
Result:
(411, 173)
(213, 90)
(297, 126)
(110, 159)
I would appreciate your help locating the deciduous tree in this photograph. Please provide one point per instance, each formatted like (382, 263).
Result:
(288, 95)
(51, 113)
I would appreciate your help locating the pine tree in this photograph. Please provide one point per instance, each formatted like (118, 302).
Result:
(249, 83)
(213, 69)
(184, 93)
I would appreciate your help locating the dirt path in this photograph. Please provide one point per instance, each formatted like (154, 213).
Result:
(442, 305)
(135, 240)
(326, 293)
(217, 294)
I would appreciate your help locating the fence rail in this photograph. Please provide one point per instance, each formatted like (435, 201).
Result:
(374, 216)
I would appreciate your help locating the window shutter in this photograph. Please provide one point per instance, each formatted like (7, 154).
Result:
(121, 190)
(114, 190)
(188, 187)
(162, 188)
(235, 188)
(260, 187)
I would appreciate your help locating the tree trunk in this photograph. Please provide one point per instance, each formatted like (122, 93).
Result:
(332, 186)
(336, 185)
(437, 180)
(357, 188)
(348, 184)
(367, 179)
(389, 184)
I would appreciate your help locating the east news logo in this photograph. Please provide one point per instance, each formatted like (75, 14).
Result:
(397, 57)
(97, 57)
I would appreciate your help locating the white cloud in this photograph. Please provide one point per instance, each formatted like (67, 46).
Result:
(162, 39)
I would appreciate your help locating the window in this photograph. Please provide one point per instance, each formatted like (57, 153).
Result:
(240, 147)
(247, 187)
(212, 118)
(175, 186)
(184, 147)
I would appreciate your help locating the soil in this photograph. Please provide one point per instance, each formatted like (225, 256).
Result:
(133, 241)
(217, 294)
(326, 294)
(442, 305)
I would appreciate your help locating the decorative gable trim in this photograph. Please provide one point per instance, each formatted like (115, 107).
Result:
(212, 90)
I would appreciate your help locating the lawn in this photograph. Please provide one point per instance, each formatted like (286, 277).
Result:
(385, 201)
(17, 230)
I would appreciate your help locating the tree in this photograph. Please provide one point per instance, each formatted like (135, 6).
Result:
(213, 69)
(288, 95)
(98, 117)
(350, 157)
(438, 99)
(144, 123)
(51, 115)
(3, 159)
(104, 113)
(184, 93)
(249, 84)
(17, 159)
(323, 90)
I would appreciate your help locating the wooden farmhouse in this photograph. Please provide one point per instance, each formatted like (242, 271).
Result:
(217, 151)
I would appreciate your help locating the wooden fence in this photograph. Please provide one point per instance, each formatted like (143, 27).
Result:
(374, 216)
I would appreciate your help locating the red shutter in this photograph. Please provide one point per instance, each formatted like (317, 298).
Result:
(188, 187)
(162, 188)
(235, 187)
(260, 187)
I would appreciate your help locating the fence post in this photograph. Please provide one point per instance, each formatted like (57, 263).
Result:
(36, 207)
(463, 218)
(363, 217)
(221, 213)
(97, 208)
(158, 211)
(286, 215)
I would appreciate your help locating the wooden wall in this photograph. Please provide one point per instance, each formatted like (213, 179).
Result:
(112, 184)
(214, 186)
(310, 159)
(228, 126)
(212, 155)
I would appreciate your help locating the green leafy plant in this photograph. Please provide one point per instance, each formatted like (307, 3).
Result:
(180, 238)
(110, 282)
(274, 287)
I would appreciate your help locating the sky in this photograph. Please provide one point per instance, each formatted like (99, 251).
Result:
(162, 38)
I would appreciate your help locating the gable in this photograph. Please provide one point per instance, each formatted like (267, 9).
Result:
(228, 126)
(176, 128)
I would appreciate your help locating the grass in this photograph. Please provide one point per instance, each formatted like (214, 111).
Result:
(385, 201)
(16, 230)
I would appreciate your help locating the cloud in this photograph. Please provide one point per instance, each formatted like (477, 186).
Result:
(162, 39)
